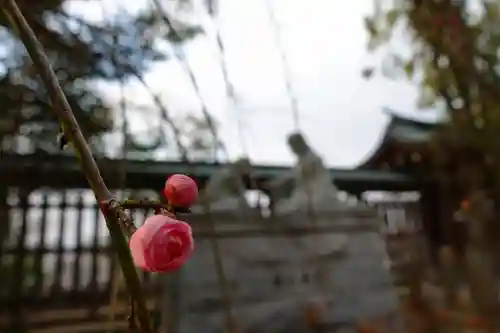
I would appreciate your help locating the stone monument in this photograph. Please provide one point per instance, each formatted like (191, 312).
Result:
(329, 276)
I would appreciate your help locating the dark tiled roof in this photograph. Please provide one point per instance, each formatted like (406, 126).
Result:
(401, 130)
(406, 130)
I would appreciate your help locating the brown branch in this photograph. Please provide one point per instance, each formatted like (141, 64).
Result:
(144, 204)
(114, 209)
(165, 116)
(115, 214)
(441, 85)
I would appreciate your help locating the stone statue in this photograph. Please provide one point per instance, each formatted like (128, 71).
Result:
(225, 191)
(307, 186)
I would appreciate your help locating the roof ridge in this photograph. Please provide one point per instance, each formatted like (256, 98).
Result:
(397, 116)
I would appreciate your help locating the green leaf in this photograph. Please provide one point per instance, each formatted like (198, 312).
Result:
(492, 11)
(409, 68)
(478, 122)
(178, 36)
(370, 26)
(391, 17)
(426, 99)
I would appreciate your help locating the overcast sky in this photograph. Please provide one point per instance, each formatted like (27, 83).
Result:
(341, 114)
(325, 42)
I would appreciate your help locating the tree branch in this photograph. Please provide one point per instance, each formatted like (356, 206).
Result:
(144, 204)
(187, 68)
(112, 211)
(165, 114)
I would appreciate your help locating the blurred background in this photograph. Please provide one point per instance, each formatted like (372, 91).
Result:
(397, 97)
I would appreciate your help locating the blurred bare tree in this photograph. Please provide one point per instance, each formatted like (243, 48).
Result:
(196, 134)
(80, 52)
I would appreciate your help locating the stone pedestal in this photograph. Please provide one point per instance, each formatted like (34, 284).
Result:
(277, 273)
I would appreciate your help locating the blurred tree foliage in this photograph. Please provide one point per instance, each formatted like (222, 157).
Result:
(453, 57)
(451, 53)
(80, 52)
(197, 137)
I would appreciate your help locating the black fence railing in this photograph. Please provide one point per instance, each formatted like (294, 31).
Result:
(55, 255)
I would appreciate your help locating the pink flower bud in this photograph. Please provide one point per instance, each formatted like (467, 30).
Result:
(162, 244)
(181, 190)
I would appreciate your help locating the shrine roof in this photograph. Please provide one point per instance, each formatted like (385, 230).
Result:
(407, 130)
(401, 130)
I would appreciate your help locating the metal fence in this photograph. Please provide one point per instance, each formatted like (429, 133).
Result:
(56, 255)
(56, 265)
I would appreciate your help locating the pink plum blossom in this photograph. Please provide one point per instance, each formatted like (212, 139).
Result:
(162, 244)
(180, 190)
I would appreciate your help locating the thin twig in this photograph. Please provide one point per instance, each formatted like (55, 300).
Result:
(219, 269)
(165, 116)
(115, 214)
(144, 204)
(218, 261)
(287, 71)
(181, 59)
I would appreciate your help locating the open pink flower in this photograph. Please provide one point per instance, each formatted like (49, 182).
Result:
(162, 244)
(180, 190)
